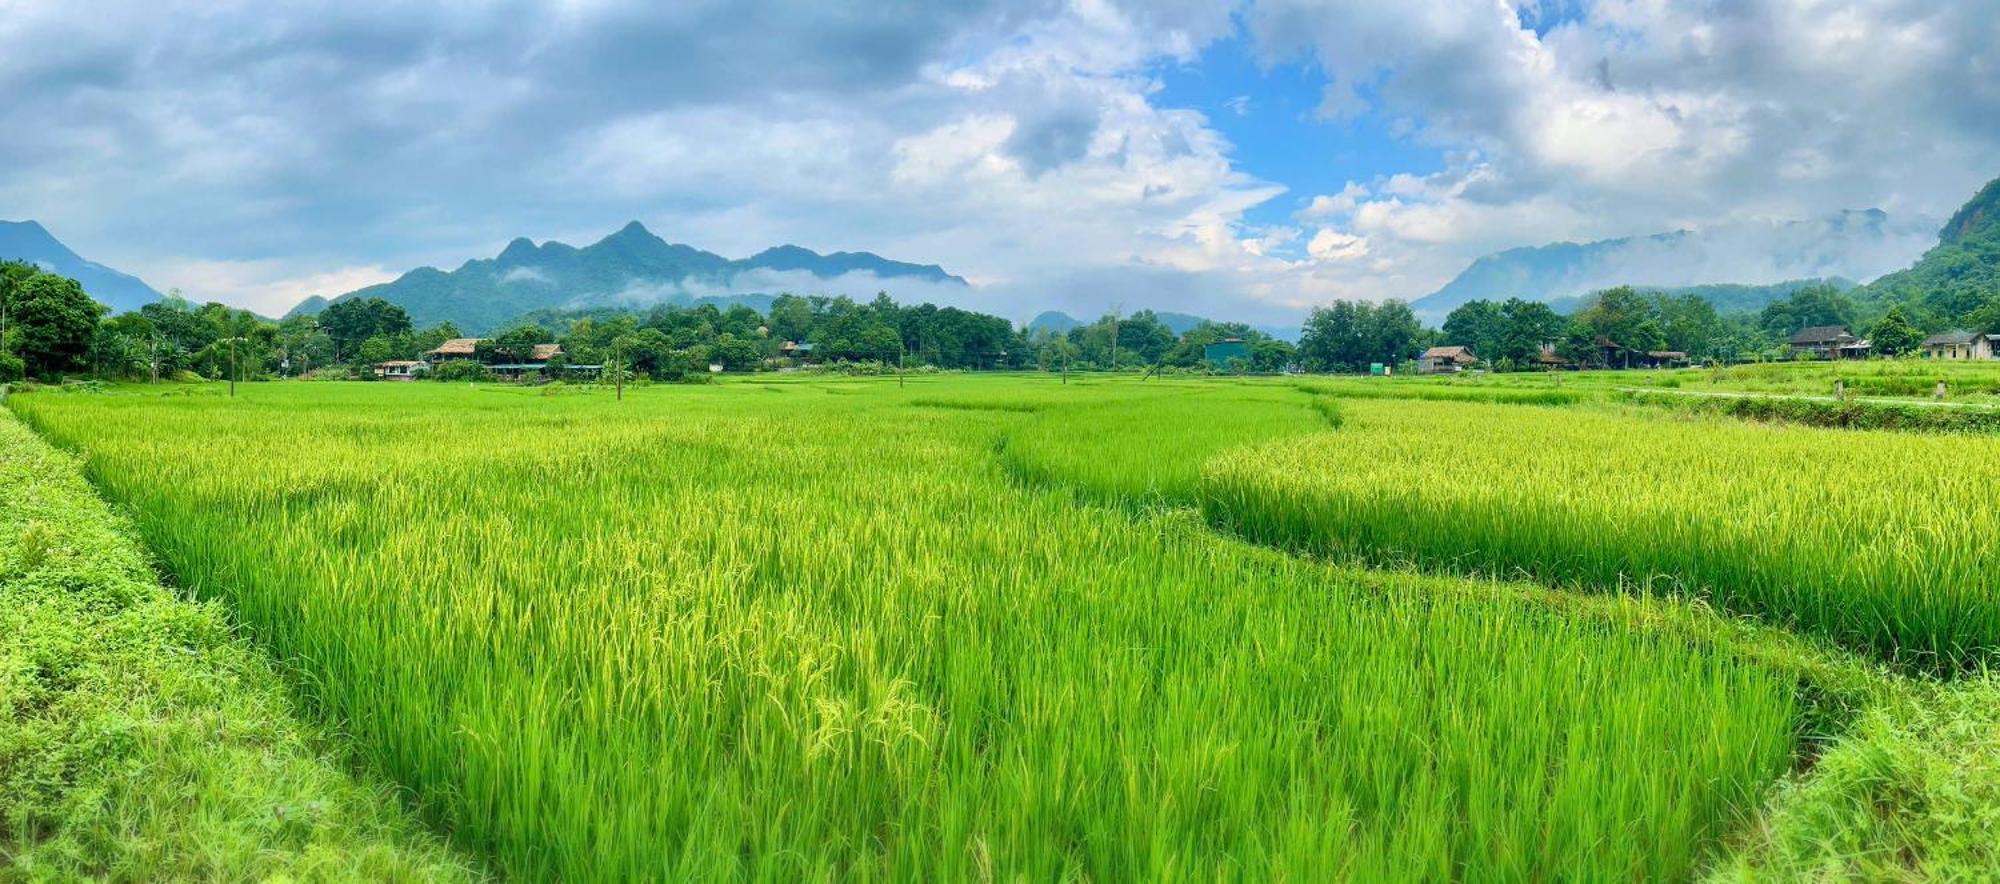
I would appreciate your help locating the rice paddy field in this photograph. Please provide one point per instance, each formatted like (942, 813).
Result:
(1004, 628)
(1885, 542)
(1973, 383)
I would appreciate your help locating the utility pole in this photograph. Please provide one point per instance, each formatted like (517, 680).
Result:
(156, 359)
(902, 360)
(618, 365)
(1115, 310)
(232, 366)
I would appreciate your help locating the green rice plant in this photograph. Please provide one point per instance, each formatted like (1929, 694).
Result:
(1425, 390)
(1884, 542)
(1150, 446)
(140, 740)
(708, 633)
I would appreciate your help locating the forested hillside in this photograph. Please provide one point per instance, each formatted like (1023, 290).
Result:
(629, 267)
(1958, 282)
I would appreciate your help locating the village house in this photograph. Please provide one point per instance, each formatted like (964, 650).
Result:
(401, 369)
(456, 348)
(538, 360)
(1218, 353)
(1664, 359)
(1611, 354)
(1829, 342)
(1960, 345)
(1547, 358)
(1445, 360)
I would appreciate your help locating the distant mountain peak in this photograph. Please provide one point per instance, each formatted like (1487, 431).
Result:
(634, 231)
(1850, 244)
(30, 241)
(785, 251)
(1953, 279)
(630, 266)
(1980, 214)
(521, 251)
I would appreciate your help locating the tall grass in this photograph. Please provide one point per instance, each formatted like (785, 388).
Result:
(1149, 446)
(1886, 542)
(140, 740)
(709, 633)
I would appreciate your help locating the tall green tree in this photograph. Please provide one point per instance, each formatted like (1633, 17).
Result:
(513, 346)
(1688, 323)
(1479, 324)
(1893, 335)
(1530, 324)
(51, 324)
(1807, 307)
(351, 322)
(1348, 335)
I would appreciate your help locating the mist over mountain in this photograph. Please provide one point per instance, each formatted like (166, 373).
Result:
(29, 241)
(1058, 322)
(1725, 297)
(1848, 245)
(629, 268)
(1957, 281)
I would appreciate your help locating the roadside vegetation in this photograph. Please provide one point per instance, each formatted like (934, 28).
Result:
(140, 740)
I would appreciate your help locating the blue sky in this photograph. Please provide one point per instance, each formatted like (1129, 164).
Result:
(1270, 112)
(1246, 159)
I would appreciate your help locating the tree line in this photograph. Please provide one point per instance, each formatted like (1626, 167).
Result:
(50, 327)
(1615, 326)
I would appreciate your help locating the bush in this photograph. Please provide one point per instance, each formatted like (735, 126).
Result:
(1849, 414)
(461, 370)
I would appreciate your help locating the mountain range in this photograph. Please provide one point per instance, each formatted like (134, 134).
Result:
(631, 267)
(1765, 261)
(1957, 272)
(1058, 322)
(29, 241)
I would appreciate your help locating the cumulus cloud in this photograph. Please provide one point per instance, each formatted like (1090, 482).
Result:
(1332, 245)
(1025, 146)
(270, 287)
(1626, 117)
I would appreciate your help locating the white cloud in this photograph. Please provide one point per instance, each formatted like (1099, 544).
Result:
(1342, 203)
(1638, 116)
(1332, 245)
(259, 154)
(267, 286)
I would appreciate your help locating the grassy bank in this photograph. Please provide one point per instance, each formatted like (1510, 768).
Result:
(140, 740)
(1850, 414)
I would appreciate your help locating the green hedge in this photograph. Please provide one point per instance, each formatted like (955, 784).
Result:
(1853, 414)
